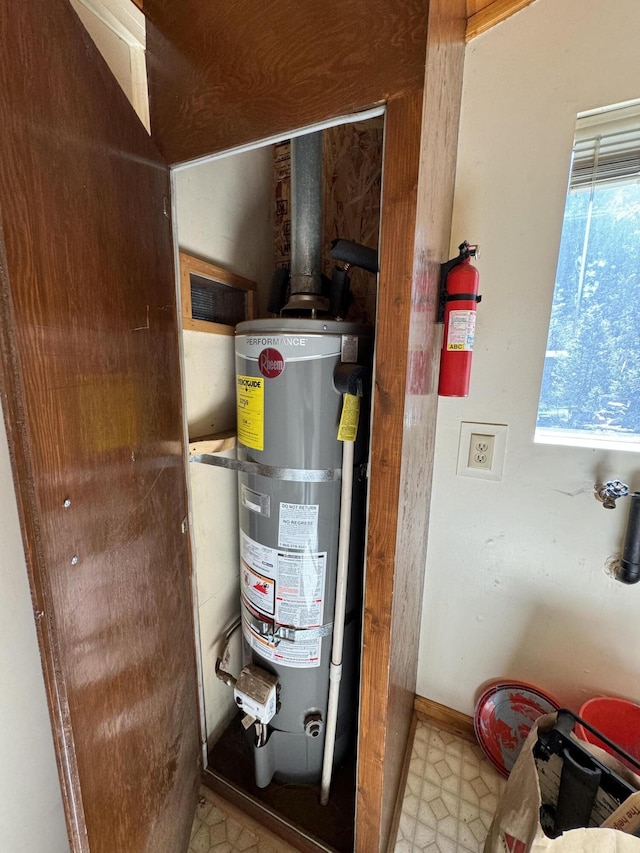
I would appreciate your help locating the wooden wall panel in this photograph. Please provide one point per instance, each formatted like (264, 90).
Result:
(222, 74)
(91, 391)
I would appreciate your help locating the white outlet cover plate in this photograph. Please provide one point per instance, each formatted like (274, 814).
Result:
(467, 429)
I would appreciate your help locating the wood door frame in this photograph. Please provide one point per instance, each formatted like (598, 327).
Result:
(417, 198)
(413, 64)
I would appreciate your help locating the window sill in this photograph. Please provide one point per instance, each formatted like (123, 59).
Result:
(567, 438)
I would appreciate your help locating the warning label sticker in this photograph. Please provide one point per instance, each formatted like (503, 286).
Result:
(258, 557)
(260, 591)
(462, 330)
(304, 653)
(289, 587)
(348, 429)
(298, 527)
(250, 400)
(299, 594)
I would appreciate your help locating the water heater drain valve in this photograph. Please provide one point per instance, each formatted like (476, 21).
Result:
(256, 693)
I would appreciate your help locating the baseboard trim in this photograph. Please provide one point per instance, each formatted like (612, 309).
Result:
(446, 718)
(397, 810)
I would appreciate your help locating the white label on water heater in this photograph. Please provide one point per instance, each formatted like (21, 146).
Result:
(300, 589)
(258, 557)
(291, 584)
(298, 527)
(255, 501)
(260, 591)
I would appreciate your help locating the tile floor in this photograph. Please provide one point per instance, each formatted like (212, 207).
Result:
(450, 797)
(216, 830)
(451, 794)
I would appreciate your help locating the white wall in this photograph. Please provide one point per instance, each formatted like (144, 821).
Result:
(516, 584)
(223, 215)
(31, 816)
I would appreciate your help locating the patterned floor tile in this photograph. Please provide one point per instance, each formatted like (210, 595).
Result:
(449, 809)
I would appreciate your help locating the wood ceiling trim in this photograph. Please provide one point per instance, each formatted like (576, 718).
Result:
(493, 14)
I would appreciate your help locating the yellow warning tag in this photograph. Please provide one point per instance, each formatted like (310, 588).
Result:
(250, 400)
(348, 428)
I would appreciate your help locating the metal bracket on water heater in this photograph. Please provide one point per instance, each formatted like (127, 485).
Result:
(296, 475)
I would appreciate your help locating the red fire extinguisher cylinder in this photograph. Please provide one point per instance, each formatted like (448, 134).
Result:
(462, 298)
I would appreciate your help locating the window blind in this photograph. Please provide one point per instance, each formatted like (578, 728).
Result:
(606, 147)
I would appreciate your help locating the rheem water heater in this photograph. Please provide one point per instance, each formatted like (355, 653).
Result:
(290, 376)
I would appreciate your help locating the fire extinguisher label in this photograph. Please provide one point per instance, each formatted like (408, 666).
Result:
(250, 400)
(260, 591)
(298, 527)
(461, 331)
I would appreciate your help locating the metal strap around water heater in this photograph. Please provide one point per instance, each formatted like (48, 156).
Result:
(274, 633)
(297, 475)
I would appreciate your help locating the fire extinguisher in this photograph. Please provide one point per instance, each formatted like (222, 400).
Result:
(458, 302)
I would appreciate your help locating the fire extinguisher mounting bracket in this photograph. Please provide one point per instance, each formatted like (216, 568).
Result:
(466, 251)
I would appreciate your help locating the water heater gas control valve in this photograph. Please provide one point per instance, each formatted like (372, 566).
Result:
(256, 693)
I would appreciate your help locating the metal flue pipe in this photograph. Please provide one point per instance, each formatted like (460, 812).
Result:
(306, 223)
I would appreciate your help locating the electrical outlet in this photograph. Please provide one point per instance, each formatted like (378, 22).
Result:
(481, 450)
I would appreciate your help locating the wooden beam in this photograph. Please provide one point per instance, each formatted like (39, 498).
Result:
(493, 14)
(224, 74)
(420, 150)
(215, 443)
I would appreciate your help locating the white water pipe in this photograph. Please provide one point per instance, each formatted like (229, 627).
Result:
(335, 672)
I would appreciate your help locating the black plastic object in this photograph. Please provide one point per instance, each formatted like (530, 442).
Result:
(278, 290)
(350, 379)
(579, 783)
(339, 293)
(629, 571)
(355, 254)
(466, 251)
(581, 770)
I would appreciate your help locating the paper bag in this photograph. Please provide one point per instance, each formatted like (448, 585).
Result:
(516, 825)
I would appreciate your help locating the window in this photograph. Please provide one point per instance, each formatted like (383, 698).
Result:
(590, 391)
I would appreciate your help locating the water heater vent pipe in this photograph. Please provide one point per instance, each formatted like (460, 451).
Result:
(306, 225)
(335, 673)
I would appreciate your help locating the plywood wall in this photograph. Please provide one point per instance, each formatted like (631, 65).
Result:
(352, 176)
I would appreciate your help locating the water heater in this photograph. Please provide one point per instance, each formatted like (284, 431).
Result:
(290, 378)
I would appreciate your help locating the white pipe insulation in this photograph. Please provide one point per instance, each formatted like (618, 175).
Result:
(335, 672)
